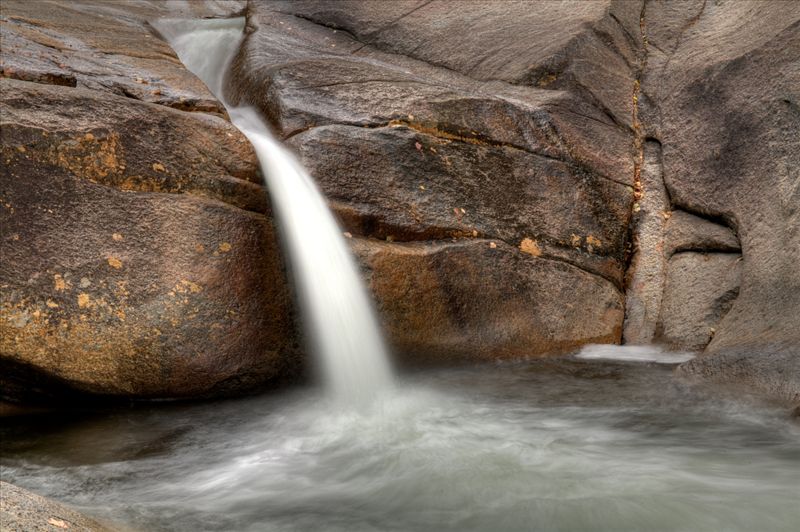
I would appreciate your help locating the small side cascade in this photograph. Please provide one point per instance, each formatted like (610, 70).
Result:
(336, 309)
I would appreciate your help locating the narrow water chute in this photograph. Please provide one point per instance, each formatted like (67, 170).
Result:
(336, 308)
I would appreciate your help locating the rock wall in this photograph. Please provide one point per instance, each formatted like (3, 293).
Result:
(720, 94)
(487, 180)
(517, 179)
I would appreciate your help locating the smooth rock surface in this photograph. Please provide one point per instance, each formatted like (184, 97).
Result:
(721, 94)
(699, 291)
(480, 299)
(687, 232)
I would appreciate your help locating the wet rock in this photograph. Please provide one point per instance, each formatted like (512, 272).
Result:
(21, 510)
(104, 46)
(128, 145)
(619, 145)
(770, 370)
(139, 257)
(658, 96)
(411, 185)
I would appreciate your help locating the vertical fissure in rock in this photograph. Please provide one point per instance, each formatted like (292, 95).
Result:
(638, 133)
(650, 212)
(648, 266)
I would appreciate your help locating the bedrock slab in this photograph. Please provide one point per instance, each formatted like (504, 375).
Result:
(485, 300)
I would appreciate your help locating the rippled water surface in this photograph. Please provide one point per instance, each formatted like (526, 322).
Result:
(549, 445)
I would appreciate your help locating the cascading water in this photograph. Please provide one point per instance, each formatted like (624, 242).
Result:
(339, 315)
(605, 440)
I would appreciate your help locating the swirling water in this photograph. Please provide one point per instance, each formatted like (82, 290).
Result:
(557, 444)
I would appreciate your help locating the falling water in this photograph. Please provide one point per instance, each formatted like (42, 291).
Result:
(338, 312)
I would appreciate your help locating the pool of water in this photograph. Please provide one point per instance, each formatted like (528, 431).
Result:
(557, 444)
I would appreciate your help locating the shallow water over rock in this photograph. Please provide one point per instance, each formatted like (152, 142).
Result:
(554, 444)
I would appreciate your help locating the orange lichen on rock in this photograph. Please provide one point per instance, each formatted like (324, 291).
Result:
(88, 156)
(530, 247)
(84, 300)
(593, 243)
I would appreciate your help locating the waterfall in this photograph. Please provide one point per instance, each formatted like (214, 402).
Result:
(336, 309)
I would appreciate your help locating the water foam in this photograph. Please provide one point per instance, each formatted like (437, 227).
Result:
(633, 353)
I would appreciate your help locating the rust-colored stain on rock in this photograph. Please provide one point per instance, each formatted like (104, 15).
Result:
(530, 247)
(84, 300)
(58, 283)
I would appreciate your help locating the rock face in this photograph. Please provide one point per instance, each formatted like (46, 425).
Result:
(489, 224)
(106, 46)
(426, 124)
(626, 171)
(23, 511)
(474, 297)
(720, 93)
(699, 291)
(139, 257)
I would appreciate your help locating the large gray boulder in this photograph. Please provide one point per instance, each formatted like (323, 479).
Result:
(444, 140)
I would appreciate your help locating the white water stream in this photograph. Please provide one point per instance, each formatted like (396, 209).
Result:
(336, 308)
